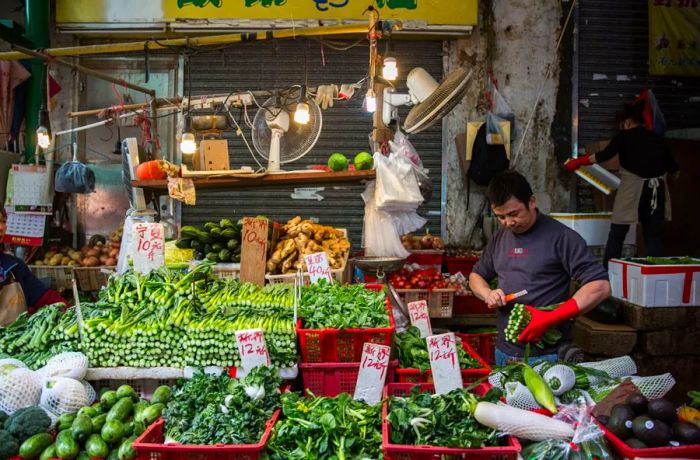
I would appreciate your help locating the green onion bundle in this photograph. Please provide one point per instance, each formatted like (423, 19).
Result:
(518, 320)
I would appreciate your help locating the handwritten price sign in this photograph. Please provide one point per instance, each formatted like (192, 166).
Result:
(317, 265)
(418, 314)
(148, 247)
(252, 349)
(254, 250)
(444, 364)
(374, 366)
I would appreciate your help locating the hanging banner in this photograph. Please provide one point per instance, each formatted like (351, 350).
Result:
(674, 27)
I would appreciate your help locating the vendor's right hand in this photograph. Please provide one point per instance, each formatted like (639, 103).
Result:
(495, 298)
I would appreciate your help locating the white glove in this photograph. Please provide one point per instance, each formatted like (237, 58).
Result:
(325, 95)
(346, 91)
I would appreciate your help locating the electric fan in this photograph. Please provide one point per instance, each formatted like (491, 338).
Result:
(432, 100)
(278, 138)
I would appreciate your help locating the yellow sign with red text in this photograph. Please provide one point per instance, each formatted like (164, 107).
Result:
(674, 37)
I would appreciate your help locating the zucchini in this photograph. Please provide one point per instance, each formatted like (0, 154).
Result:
(215, 232)
(230, 233)
(213, 256)
(207, 248)
(189, 231)
(196, 245)
(216, 247)
(233, 244)
(209, 225)
(226, 223)
(225, 255)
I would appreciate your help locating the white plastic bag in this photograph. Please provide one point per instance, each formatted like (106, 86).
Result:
(19, 388)
(379, 236)
(397, 187)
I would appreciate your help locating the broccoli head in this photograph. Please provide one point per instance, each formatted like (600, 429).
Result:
(8, 445)
(27, 422)
(3, 417)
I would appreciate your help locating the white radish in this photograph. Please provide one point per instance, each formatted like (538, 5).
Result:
(521, 423)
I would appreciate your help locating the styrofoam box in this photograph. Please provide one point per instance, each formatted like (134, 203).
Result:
(655, 285)
(593, 227)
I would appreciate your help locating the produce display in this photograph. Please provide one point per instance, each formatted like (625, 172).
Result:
(419, 279)
(325, 305)
(99, 251)
(417, 242)
(209, 410)
(412, 351)
(26, 432)
(214, 241)
(302, 237)
(440, 420)
(459, 251)
(326, 428)
(518, 320)
(665, 260)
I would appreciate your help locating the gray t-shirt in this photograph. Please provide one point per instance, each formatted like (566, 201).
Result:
(543, 260)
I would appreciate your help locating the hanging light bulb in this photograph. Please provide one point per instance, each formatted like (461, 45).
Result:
(390, 72)
(43, 132)
(370, 104)
(301, 115)
(188, 144)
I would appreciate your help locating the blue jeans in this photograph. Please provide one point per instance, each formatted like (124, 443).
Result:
(502, 358)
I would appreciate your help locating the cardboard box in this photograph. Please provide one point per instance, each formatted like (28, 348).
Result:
(596, 338)
(655, 285)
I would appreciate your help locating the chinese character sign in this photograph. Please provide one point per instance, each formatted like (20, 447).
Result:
(673, 37)
(148, 246)
(252, 349)
(444, 363)
(374, 366)
(418, 314)
(318, 268)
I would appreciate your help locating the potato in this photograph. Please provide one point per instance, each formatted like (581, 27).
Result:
(39, 263)
(91, 262)
(56, 260)
(76, 256)
(65, 260)
(111, 261)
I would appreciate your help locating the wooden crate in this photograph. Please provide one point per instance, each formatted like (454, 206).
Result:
(59, 277)
(92, 278)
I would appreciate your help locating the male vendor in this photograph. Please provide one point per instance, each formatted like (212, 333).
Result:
(536, 253)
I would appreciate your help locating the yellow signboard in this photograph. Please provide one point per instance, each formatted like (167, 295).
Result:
(430, 12)
(674, 37)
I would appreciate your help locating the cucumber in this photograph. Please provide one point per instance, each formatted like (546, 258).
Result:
(139, 428)
(188, 231)
(99, 408)
(96, 446)
(83, 456)
(226, 223)
(225, 255)
(184, 243)
(121, 410)
(34, 446)
(109, 398)
(81, 428)
(65, 421)
(216, 247)
(213, 256)
(126, 450)
(66, 446)
(113, 454)
(128, 427)
(88, 411)
(196, 245)
(233, 244)
(140, 407)
(126, 391)
(48, 453)
(112, 432)
(98, 422)
(230, 233)
(161, 395)
(151, 414)
(215, 232)
(208, 226)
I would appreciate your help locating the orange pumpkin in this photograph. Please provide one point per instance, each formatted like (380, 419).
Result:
(150, 170)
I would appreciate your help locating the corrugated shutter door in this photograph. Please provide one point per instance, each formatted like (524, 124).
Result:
(269, 65)
(613, 54)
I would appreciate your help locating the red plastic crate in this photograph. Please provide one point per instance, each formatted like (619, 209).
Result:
(149, 446)
(461, 264)
(469, 304)
(412, 375)
(440, 301)
(342, 345)
(627, 453)
(406, 452)
(331, 379)
(484, 343)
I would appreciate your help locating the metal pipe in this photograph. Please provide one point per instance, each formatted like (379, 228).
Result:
(36, 20)
(196, 41)
(162, 104)
(85, 70)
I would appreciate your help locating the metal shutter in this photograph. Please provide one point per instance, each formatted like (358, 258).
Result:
(269, 65)
(613, 41)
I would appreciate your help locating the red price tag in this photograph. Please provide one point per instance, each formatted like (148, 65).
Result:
(374, 366)
(318, 268)
(252, 349)
(418, 314)
(148, 247)
(444, 362)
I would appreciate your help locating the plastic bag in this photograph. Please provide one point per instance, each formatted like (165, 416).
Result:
(74, 177)
(397, 186)
(379, 235)
(402, 146)
(494, 133)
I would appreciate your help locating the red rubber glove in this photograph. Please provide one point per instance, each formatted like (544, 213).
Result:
(543, 320)
(572, 164)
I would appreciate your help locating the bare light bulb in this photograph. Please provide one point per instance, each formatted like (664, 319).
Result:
(390, 72)
(43, 138)
(302, 115)
(188, 145)
(370, 104)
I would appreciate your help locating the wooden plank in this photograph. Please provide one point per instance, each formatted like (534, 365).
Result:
(254, 250)
(291, 178)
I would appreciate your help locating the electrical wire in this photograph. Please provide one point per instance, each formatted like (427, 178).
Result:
(242, 134)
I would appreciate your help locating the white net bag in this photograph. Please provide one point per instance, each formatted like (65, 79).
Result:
(496, 380)
(518, 395)
(63, 395)
(8, 365)
(71, 364)
(90, 391)
(542, 367)
(615, 367)
(656, 386)
(19, 388)
(560, 379)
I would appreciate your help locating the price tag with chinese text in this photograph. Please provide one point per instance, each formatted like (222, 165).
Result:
(148, 247)
(318, 268)
(444, 362)
(252, 349)
(374, 366)
(254, 250)
(418, 314)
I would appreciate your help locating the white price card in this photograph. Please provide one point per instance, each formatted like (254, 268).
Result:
(252, 349)
(374, 366)
(318, 268)
(418, 314)
(444, 362)
(148, 246)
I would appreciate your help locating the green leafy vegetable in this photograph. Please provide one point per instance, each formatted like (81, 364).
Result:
(412, 351)
(518, 320)
(325, 305)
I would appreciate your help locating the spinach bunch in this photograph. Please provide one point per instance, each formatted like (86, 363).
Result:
(413, 352)
(327, 428)
(440, 420)
(325, 305)
(208, 410)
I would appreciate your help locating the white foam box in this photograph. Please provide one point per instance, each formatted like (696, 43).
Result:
(593, 227)
(655, 285)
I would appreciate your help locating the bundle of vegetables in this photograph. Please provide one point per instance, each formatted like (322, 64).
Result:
(215, 241)
(518, 320)
(412, 352)
(208, 410)
(325, 305)
(665, 260)
(440, 420)
(326, 428)
(26, 432)
(36, 338)
(303, 237)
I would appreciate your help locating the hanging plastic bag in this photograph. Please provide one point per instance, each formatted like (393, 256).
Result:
(74, 176)
(494, 133)
(379, 235)
(397, 187)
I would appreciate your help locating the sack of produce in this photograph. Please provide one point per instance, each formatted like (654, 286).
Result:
(62, 395)
(18, 389)
(72, 364)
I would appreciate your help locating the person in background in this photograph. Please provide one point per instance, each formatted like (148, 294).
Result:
(643, 196)
(536, 253)
(20, 290)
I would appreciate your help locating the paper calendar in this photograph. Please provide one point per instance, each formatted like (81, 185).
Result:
(25, 229)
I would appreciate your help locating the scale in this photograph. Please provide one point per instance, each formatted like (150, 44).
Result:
(380, 267)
